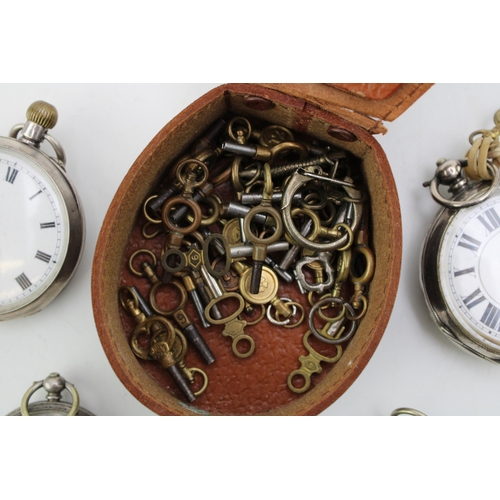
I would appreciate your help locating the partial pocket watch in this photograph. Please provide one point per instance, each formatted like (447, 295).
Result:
(41, 218)
(54, 385)
(460, 261)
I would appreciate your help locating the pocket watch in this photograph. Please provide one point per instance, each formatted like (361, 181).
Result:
(54, 385)
(460, 261)
(41, 218)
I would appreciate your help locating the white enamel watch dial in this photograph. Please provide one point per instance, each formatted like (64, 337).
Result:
(469, 268)
(460, 271)
(41, 225)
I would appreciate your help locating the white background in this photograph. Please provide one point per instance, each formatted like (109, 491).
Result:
(104, 127)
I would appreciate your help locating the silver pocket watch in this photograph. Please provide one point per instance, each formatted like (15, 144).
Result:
(54, 385)
(41, 218)
(460, 260)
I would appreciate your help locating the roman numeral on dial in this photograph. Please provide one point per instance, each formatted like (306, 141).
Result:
(23, 281)
(490, 220)
(462, 272)
(11, 175)
(45, 257)
(475, 298)
(491, 317)
(469, 242)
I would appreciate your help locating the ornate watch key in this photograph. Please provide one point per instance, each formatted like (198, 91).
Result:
(460, 262)
(41, 218)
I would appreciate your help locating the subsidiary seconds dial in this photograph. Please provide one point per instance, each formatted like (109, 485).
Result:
(33, 225)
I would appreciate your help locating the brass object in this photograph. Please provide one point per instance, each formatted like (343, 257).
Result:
(175, 202)
(239, 129)
(156, 325)
(215, 211)
(260, 244)
(146, 210)
(231, 280)
(275, 134)
(129, 300)
(206, 257)
(290, 312)
(361, 272)
(131, 260)
(299, 179)
(157, 334)
(235, 329)
(54, 385)
(344, 259)
(262, 153)
(334, 334)
(268, 287)
(187, 172)
(179, 350)
(220, 298)
(43, 114)
(309, 365)
(182, 318)
(231, 231)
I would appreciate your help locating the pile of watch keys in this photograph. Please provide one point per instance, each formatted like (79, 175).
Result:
(253, 224)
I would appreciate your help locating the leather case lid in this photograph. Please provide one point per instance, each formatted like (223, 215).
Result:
(365, 104)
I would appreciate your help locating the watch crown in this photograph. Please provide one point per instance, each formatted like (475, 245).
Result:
(42, 113)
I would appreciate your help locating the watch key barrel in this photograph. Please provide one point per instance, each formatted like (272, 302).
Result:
(176, 374)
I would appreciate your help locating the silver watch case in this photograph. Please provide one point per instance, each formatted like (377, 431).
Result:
(431, 286)
(76, 225)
